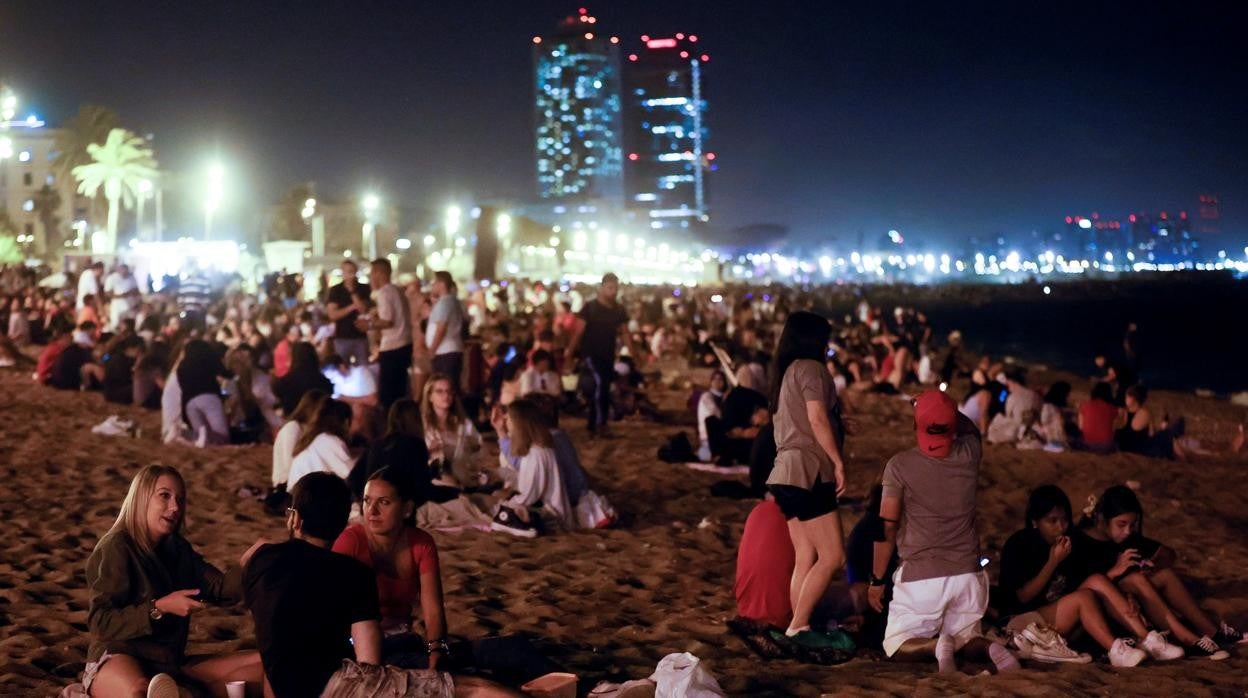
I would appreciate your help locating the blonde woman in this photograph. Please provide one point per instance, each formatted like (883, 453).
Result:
(144, 582)
(449, 434)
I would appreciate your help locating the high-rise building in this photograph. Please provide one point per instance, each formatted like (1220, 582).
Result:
(577, 109)
(1209, 215)
(666, 133)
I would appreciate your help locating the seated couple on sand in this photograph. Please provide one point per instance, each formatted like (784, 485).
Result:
(146, 580)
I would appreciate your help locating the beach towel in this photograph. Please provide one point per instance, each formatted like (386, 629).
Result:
(458, 514)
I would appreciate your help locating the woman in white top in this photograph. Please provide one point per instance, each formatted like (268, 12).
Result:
(322, 447)
(450, 435)
(710, 405)
(538, 477)
(288, 435)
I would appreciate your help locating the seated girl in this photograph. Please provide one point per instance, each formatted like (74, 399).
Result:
(322, 447)
(284, 447)
(409, 589)
(402, 449)
(144, 582)
(449, 434)
(539, 484)
(1096, 420)
(710, 404)
(1109, 542)
(1037, 580)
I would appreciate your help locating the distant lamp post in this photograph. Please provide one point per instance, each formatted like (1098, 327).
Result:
(370, 203)
(316, 224)
(214, 192)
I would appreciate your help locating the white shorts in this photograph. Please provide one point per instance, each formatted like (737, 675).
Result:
(928, 608)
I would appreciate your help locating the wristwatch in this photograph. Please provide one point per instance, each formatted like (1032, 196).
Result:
(153, 612)
(876, 581)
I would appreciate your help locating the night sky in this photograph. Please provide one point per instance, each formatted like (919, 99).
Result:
(943, 120)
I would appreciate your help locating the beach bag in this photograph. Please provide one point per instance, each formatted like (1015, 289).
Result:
(678, 449)
(594, 511)
(683, 676)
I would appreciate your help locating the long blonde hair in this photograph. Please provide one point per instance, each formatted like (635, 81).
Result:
(133, 515)
(454, 417)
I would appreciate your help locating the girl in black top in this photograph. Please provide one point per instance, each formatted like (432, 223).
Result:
(1144, 568)
(1039, 574)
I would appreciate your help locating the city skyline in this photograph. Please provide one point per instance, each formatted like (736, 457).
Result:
(831, 122)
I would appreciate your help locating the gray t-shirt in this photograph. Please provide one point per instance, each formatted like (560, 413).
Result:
(937, 536)
(800, 460)
(392, 306)
(447, 311)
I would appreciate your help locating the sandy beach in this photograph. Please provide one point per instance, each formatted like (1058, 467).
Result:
(607, 604)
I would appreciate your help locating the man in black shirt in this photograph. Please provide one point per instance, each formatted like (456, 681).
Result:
(602, 320)
(347, 301)
(310, 604)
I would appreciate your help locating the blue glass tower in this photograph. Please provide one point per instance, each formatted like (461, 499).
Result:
(577, 109)
(668, 160)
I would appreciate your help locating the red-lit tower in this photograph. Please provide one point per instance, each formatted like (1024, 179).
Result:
(1209, 215)
(665, 171)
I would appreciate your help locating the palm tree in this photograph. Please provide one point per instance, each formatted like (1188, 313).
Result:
(48, 205)
(119, 165)
(90, 125)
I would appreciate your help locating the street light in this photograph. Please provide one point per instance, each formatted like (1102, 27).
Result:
(370, 203)
(213, 194)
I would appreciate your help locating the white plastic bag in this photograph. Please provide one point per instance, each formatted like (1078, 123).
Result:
(683, 676)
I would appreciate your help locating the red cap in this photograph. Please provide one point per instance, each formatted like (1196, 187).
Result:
(935, 423)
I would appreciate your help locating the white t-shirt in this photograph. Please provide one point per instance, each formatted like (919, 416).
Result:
(326, 454)
(119, 286)
(447, 311)
(358, 381)
(392, 306)
(87, 283)
(534, 381)
(284, 450)
(538, 480)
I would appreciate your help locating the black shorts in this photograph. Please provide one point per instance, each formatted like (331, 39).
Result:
(803, 504)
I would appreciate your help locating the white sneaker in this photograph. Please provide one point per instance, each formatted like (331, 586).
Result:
(1047, 645)
(1159, 649)
(1124, 653)
(162, 686)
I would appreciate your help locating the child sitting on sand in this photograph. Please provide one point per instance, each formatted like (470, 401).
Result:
(1037, 584)
(1109, 541)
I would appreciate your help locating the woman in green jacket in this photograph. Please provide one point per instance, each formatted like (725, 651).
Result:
(145, 580)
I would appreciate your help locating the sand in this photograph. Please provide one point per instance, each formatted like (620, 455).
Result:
(608, 604)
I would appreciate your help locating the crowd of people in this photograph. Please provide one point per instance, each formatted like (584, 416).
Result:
(383, 404)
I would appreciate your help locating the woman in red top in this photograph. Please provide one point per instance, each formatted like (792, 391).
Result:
(1096, 420)
(405, 560)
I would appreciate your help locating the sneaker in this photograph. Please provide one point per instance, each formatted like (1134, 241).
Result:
(1157, 647)
(1047, 645)
(506, 521)
(1227, 635)
(1206, 648)
(1124, 653)
(162, 686)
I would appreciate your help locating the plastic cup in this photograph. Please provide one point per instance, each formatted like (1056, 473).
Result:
(236, 689)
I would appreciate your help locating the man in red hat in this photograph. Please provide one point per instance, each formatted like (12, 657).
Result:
(940, 591)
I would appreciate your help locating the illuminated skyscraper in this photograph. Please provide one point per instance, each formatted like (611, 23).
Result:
(666, 133)
(577, 109)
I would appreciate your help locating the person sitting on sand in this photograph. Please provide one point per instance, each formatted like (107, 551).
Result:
(48, 356)
(745, 412)
(1051, 428)
(1117, 373)
(303, 374)
(1096, 420)
(538, 482)
(284, 447)
(540, 376)
(449, 433)
(322, 444)
(859, 562)
(1109, 542)
(1138, 435)
(1022, 411)
(940, 592)
(985, 400)
(401, 450)
(809, 474)
(305, 630)
(1036, 585)
(75, 367)
(144, 582)
(710, 404)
